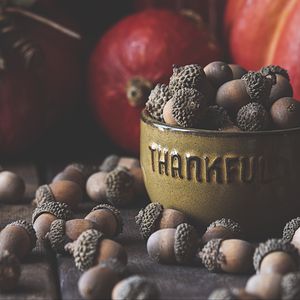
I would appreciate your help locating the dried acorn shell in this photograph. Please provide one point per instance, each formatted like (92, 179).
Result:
(18, 238)
(113, 161)
(276, 255)
(222, 229)
(10, 271)
(290, 286)
(107, 218)
(290, 229)
(135, 287)
(91, 248)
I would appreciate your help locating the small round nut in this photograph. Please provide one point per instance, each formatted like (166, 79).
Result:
(135, 287)
(237, 71)
(12, 187)
(218, 72)
(96, 187)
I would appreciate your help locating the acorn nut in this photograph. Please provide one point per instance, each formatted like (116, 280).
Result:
(63, 191)
(231, 256)
(12, 187)
(237, 71)
(10, 271)
(107, 218)
(154, 217)
(218, 72)
(135, 287)
(276, 256)
(216, 118)
(170, 245)
(91, 248)
(291, 232)
(46, 213)
(222, 229)
(231, 294)
(18, 238)
(98, 281)
(113, 161)
(290, 286)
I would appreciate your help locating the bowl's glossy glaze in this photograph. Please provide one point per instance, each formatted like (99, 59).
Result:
(251, 177)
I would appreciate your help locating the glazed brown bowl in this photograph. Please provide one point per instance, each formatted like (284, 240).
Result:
(251, 177)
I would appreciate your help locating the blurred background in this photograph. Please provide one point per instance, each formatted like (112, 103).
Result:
(68, 67)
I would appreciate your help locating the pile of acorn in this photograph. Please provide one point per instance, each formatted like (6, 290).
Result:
(90, 239)
(226, 97)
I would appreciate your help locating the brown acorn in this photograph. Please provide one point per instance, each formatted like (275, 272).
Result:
(135, 287)
(265, 286)
(291, 232)
(107, 218)
(218, 73)
(98, 281)
(12, 187)
(231, 256)
(237, 71)
(46, 213)
(173, 245)
(154, 217)
(91, 248)
(63, 191)
(276, 256)
(222, 229)
(290, 286)
(17, 238)
(113, 161)
(10, 271)
(62, 232)
(231, 294)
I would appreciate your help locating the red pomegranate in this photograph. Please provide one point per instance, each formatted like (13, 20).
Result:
(265, 32)
(132, 57)
(40, 73)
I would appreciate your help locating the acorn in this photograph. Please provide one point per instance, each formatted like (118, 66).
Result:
(107, 218)
(116, 187)
(17, 238)
(154, 217)
(135, 287)
(218, 72)
(282, 87)
(12, 187)
(253, 117)
(186, 108)
(216, 118)
(63, 191)
(222, 229)
(276, 256)
(290, 286)
(173, 245)
(231, 294)
(265, 286)
(62, 232)
(291, 232)
(285, 113)
(113, 161)
(46, 213)
(237, 71)
(189, 76)
(158, 98)
(91, 248)
(231, 256)
(98, 281)
(10, 271)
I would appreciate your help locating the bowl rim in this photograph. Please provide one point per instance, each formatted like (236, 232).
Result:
(205, 132)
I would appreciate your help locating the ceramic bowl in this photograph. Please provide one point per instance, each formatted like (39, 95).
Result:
(251, 177)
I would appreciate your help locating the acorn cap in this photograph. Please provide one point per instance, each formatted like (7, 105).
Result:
(84, 249)
(109, 163)
(158, 97)
(273, 245)
(119, 186)
(185, 244)
(227, 223)
(57, 209)
(189, 76)
(115, 212)
(216, 117)
(274, 69)
(222, 294)
(290, 228)
(10, 270)
(290, 286)
(210, 255)
(137, 287)
(188, 107)
(258, 86)
(44, 194)
(28, 227)
(147, 218)
(253, 117)
(56, 235)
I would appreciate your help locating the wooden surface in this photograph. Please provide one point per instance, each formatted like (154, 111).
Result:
(45, 276)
